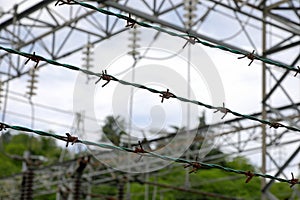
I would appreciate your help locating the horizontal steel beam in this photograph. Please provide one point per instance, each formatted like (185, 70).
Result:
(25, 13)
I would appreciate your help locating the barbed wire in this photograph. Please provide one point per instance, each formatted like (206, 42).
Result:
(187, 36)
(163, 94)
(195, 165)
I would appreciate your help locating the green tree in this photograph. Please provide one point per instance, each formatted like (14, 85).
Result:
(16, 145)
(113, 129)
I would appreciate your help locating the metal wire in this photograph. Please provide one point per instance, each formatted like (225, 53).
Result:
(185, 36)
(163, 94)
(142, 152)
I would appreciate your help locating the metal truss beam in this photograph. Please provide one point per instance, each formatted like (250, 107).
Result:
(279, 81)
(287, 162)
(25, 13)
(24, 31)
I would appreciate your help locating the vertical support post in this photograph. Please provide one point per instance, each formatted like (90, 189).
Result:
(27, 180)
(146, 185)
(77, 186)
(190, 6)
(89, 189)
(82, 164)
(121, 189)
(134, 38)
(264, 113)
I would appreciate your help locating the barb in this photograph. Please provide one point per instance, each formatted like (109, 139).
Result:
(297, 72)
(139, 149)
(275, 125)
(195, 164)
(70, 139)
(250, 56)
(191, 40)
(293, 181)
(62, 2)
(166, 95)
(34, 58)
(2, 127)
(104, 76)
(163, 93)
(130, 22)
(222, 110)
(186, 36)
(249, 175)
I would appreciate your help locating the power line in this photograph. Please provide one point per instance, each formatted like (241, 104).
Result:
(163, 94)
(187, 36)
(50, 108)
(183, 189)
(196, 165)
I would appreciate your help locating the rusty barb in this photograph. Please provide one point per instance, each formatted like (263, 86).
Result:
(192, 40)
(293, 181)
(298, 72)
(62, 2)
(166, 95)
(70, 139)
(250, 56)
(130, 22)
(195, 166)
(34, 58)
(275, 125)
(2, 127)
(249, 175)
(222, 110)
(105, 77)
(139, 149)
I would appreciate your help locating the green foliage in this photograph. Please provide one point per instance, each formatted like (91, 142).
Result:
(113, 129)
(16, 145)
(105, 190)
(282, 191)
(213, 181)
(241, 163)
(205, 180)
(8, 166)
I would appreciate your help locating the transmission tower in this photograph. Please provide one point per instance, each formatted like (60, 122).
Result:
(271, 28)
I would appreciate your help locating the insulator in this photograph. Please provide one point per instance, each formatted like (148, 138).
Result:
(190, 6)
(77, 187)
(134, 38)
(87, 55)
(27, 185)
(120, 190)
(32, 83)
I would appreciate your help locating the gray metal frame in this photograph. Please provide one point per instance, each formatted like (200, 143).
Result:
(24, 31)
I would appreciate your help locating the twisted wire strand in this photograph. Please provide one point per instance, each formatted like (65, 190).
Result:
(163, 94)
(150, 154)
(186, 36)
